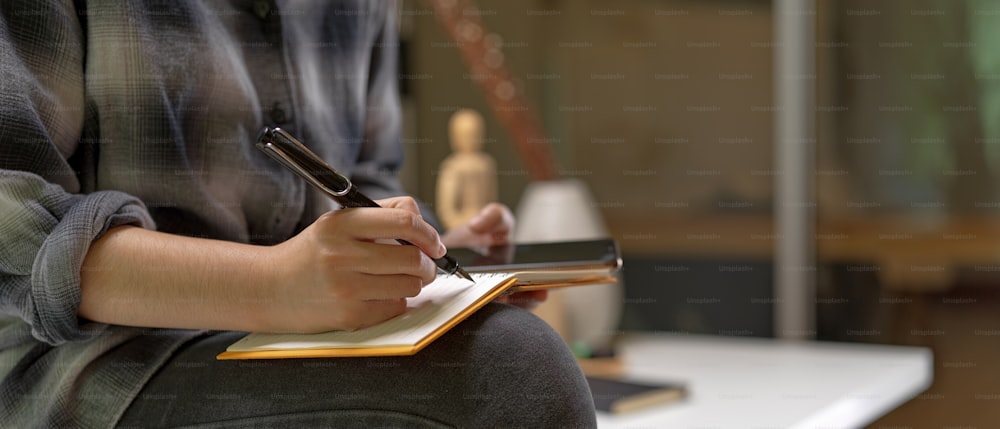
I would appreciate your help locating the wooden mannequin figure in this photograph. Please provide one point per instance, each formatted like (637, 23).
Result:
(467, 179)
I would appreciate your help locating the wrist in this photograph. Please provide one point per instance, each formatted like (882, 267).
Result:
(263, 290)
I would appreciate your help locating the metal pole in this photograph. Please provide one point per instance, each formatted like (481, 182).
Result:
(795, 203)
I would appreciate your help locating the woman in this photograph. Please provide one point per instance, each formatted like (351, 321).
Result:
(142, 232)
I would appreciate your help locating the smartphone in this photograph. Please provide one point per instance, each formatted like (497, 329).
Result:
(586, 254)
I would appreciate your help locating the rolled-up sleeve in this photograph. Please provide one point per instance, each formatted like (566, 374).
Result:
(46, 224)
(47, 232)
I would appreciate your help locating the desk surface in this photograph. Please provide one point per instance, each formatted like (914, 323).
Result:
(911, 253)
(761, 383)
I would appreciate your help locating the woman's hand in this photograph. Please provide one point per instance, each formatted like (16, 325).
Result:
(345, 271)
(494, 225)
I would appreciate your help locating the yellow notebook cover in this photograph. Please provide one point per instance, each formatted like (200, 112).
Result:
(440, 306)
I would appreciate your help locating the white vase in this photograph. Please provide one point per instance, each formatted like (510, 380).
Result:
(565, 210)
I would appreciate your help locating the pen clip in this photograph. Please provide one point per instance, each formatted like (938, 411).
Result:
(295, 156)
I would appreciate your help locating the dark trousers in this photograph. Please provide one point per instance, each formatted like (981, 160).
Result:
(502, 367)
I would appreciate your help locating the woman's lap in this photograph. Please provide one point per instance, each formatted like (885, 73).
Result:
(502, 367)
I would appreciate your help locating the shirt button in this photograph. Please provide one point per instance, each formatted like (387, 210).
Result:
(262, 8)
(278, 114)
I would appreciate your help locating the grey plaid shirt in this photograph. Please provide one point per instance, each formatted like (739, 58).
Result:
(145, 112)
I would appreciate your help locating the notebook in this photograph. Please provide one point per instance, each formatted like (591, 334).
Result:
(620, 396)
(440, 306)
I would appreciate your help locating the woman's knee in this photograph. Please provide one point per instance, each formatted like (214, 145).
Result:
(527, 368)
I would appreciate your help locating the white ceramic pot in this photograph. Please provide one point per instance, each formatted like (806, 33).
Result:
(564, 210)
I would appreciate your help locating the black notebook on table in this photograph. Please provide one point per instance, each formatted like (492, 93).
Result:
(620, 396)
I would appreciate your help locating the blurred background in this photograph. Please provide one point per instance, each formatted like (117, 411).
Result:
(665, 111)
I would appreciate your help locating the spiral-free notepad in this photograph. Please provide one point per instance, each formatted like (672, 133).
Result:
(440, 306)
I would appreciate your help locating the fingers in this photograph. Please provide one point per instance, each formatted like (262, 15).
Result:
(406, 203)
(362, 276)
(388, 259)
(346, 271)
(384, 223)
(366, 287)
(494, 219)
(527, 300)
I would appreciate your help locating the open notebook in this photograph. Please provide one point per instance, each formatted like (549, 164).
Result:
(440, 306)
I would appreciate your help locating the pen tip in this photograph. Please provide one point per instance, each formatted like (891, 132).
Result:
(462, 273)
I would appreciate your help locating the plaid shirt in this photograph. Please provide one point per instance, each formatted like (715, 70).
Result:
(145, 112)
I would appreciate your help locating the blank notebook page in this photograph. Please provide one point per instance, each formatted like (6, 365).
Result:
(436, 305)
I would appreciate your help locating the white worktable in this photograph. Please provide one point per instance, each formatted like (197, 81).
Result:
(752, 383)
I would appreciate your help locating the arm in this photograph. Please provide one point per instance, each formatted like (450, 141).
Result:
(330, 276)
(45, 225)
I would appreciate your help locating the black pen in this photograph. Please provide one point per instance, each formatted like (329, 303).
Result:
(295, 156)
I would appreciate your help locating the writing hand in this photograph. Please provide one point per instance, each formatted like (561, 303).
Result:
(344, 273)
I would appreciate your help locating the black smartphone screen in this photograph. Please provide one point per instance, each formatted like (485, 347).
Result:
(603, 252)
